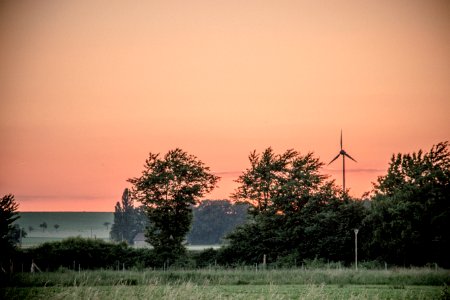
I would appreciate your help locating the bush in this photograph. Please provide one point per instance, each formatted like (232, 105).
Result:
(76, 252)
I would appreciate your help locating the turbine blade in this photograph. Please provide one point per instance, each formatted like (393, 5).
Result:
(346, 154)
(334, 158)
(341, 139)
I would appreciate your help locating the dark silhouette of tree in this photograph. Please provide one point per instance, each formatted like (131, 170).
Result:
(297, 213)
(30, 228)
(43, 226)
(279, 183)
(56, 226)
(17, 234)
(168, 187)
(410, 211)
(8, 214)
(128, 220)
(106, 224)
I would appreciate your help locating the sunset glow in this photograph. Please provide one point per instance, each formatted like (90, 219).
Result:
(89, 88)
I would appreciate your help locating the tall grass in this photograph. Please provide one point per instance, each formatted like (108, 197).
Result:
(219, 276)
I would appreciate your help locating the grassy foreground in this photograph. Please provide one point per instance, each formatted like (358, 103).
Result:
(231, 284)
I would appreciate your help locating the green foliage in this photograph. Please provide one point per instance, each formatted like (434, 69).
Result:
(128, 220)
(8, 214)
(213, 219)
(168, 187)
(76, 252)
(279, 183)
(297, 213)
(410, 212)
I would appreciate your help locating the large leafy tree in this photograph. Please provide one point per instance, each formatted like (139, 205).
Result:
(297, 212)
(168, 187)
(8, 214)
(128, 220)
(279, 183)
(410, 213)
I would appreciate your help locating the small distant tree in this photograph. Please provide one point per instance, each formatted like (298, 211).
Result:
(128, 220)
(30, 228)
(168, 187)
(56, 227)
(106, 224)
(43, 226)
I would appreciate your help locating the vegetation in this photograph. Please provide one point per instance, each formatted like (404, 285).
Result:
(214, 219)
(296, 213)
(43, 225)
(297, 241)
(8, 214)
(128, 220)
(232, 283)
(410, 212)
(168, 187)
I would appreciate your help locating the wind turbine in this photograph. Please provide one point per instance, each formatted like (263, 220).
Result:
(344, 154)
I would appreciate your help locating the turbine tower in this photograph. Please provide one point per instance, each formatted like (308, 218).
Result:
(344, 154)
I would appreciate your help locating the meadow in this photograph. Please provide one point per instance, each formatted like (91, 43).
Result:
(238, 283)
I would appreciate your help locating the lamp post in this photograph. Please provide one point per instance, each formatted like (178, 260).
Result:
(356, 248)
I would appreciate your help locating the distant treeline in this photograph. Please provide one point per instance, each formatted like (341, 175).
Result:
(212, 221)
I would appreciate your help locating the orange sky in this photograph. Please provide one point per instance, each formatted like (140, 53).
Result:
(88, 88)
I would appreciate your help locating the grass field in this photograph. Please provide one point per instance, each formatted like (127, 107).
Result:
(231, 284)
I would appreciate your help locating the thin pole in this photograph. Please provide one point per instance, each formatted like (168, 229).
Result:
(356, 249)
(343, 172)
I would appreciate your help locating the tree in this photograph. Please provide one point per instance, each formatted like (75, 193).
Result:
(279, 183)
(8, 214)
(128, 220)
(410, 211)
(43, 225)
(56, 226)
(30, 228)
(106, 224)
(168, 187)
(17, 234)
(296, 212)
(213, 219)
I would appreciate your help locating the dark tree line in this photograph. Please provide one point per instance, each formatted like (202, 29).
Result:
(294, 212)
(214, 219)
(299, 215)
(409, 219)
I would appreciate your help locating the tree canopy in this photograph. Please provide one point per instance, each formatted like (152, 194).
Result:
(8, 214)
(297, 213)
(167, 188)
(410, 214)
(279, 183)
